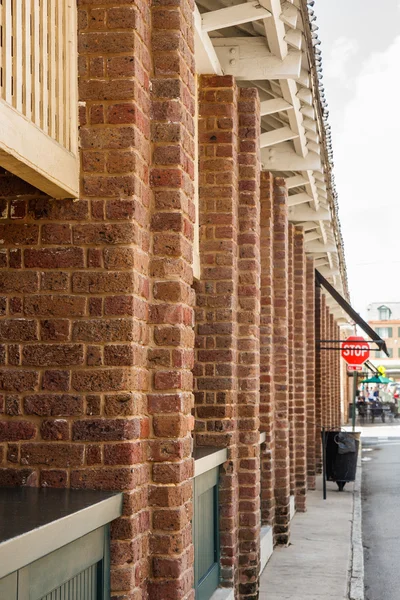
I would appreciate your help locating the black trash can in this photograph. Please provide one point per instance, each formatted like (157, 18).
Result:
(341, 464)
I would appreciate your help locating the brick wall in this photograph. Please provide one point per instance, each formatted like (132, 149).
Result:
(267, 392)
(227, 316)
(311, 383)
(171, 315)
(281, 361)
(319, 384)
(300, 351)
(249, 343)
(97, 303)
(291, 359)
(216, 377)
(97, 319)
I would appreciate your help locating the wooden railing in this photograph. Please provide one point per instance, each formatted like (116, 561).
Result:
(38, 99)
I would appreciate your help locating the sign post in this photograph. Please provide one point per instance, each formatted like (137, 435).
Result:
(355, 351)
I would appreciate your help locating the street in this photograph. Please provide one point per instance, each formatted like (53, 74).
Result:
(381, 511)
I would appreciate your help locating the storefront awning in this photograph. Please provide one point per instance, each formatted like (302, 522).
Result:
(351, 312)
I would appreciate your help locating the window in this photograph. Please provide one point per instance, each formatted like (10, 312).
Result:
(384, 313)
(398, 352)
(385, 332)
(381, 354)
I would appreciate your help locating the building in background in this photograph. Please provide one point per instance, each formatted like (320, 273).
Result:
(384, 318)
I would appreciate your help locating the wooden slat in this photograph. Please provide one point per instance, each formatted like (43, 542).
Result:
(1, 54)
(65, 71)
(52, 69)
(27, 59)
(7, 52)
(44, 73)
(60, 71)
(73, 52)
(18, 55)
(36, 61)
(67, 56)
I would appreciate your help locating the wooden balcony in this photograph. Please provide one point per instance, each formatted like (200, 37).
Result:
(38, 93)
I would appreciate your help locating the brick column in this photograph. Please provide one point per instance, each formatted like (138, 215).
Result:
(281, 362)
(291, 367)
(267, 391)
(216, 314)
(326, 357)
(171, 356)
(310, 370)
(319, 310)
(338, 381)
(74, 302)
(249, 343)
(332, 356)
(300, 348)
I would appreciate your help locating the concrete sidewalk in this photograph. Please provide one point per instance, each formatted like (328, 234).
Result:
(316, 564)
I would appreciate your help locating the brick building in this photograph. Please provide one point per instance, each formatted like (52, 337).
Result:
(158, 301)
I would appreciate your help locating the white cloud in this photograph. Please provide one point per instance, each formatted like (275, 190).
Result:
(367, 159)
(343, 49)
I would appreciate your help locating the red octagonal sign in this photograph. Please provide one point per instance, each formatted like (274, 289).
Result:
(355, 350)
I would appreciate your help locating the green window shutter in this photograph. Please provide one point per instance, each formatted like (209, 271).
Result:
(390, 329)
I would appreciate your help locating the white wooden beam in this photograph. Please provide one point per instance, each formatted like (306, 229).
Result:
(308, 225)
(304, 78)
(305, 213)
(233, 15)
(310, 125)
(207, 62)
(328, 272)
(249, 59)
(316, 148)
(312, 137)
(275, 29)
(289, 93)
(305, 95)
(277, 136)
(308, 111)
(289, 15)
(269, 107)
(297, 199)
(294, 38)
(284, 158)
(295, 181)
(312, 236)
(311, 188)
(317, 247)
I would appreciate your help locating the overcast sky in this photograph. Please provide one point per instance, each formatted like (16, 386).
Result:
(361, 61)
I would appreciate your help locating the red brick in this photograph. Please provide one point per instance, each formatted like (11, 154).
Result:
(12, 431)
(53, 405)
(105, 430)
(52, 455)
(54, 429)
(45, 355)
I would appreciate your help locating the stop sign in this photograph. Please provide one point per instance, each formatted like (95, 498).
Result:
(355, 350)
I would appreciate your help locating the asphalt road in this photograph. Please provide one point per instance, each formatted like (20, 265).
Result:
(381, 518)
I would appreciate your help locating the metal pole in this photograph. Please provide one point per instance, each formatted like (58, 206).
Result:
(323, 463)
(353, 416)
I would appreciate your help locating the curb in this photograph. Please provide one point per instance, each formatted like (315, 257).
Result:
(356, 574)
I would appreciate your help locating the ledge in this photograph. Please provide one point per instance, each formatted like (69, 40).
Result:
(40, 521)
(266, 546)
(207, 458)
(223, 594)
